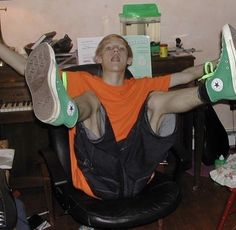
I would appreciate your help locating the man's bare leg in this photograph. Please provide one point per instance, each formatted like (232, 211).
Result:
(176, 101)
(219, 84)
(90, 112)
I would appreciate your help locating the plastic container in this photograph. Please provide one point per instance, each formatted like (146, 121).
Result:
(163, 50)
(142, 19)
(219, 162)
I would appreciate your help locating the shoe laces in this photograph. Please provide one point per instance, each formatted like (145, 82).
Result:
(209, 67)
(64, 79)
(209, 71)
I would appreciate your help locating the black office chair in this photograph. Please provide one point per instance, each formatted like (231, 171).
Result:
(8, 212)
(159, 201)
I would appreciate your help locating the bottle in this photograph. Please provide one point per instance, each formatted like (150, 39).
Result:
(219, 162)
(163, 50)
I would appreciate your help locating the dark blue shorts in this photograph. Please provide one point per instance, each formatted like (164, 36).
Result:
(123, 169)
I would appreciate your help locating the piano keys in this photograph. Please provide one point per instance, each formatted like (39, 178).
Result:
(15, 99)
(16, 107)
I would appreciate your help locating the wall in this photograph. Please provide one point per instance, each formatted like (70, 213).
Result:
(197, 23)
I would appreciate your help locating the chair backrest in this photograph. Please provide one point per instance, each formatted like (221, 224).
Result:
(94, 69)
(59, 137)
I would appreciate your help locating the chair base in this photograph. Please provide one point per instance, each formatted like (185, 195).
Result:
(48, 193)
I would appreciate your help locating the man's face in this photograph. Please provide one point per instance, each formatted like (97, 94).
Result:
(114, 55)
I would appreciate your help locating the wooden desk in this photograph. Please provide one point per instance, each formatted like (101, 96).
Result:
(161, 66)
(189, 120)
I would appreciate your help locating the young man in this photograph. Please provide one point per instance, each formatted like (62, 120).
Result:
(121, 129)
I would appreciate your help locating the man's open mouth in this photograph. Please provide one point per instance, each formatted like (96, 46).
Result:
(115, 58)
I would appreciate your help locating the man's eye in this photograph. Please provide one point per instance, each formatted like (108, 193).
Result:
(122, 48)
(108, 48)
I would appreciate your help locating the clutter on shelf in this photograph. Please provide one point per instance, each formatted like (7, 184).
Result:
(61, 47)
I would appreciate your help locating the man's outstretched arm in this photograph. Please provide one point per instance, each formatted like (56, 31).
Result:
(13, 59)
(188, 75)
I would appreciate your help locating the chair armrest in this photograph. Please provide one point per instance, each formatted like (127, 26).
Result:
(55, 169)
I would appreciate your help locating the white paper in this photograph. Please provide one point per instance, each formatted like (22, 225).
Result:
(142, 64)
(6, 158)
(226, 174)
(86, 49)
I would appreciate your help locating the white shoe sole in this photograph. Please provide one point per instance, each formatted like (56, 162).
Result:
(52, 84)
(230, 46)
(40, 75)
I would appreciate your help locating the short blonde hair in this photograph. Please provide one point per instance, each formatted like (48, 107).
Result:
(109, 37)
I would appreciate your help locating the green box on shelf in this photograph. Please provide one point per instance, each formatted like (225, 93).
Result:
(142, 19)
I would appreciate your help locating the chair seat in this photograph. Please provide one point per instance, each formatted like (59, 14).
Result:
(156, 203)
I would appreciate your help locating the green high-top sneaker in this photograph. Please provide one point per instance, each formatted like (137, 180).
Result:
(51, 102)
(220, 82)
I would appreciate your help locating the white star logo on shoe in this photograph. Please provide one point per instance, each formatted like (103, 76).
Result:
(70, 108)
(217, 84)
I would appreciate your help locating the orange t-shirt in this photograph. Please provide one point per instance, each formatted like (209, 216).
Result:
(122, 104)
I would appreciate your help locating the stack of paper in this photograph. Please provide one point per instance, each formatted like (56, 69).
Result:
(6, 158)
(226, 174)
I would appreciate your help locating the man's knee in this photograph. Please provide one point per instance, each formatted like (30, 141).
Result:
(156, 110)
(88, 105)
(93, 101)
(95, 125)
(156, 102)
(156, 107)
